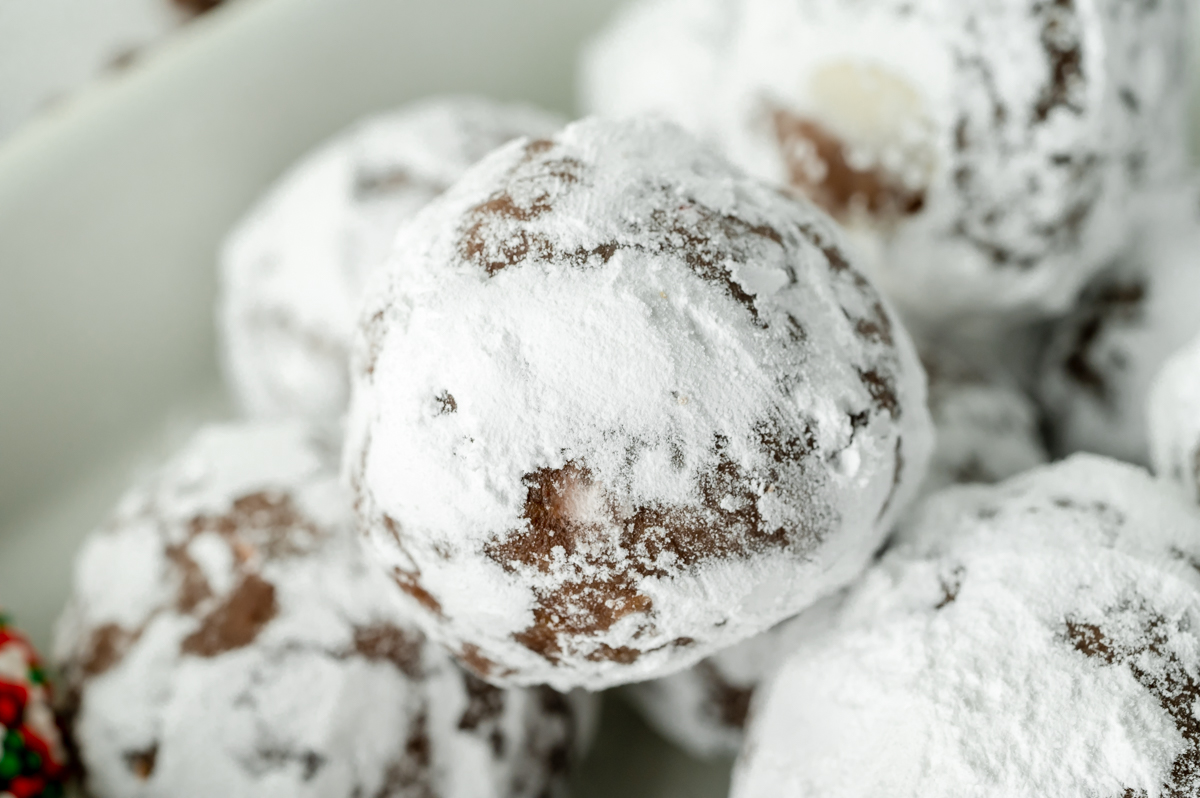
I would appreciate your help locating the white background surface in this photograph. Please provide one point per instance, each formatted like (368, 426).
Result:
(111, 209)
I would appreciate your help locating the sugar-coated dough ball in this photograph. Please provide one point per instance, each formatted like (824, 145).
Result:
(1038, 637)
(33, 761)
(1103, 356)
(1174, 420)
(983, 153)
(50, 48)
(986, 429)
(293, 272)
(227, 637)
(619, 406)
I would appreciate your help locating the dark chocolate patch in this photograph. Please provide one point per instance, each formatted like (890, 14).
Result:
(730, 702)
(410, 583)
(387, 643)
(651, 541)
(141, 763)
(194, 589)
(472, 658)
(1060, 40)
(267, 522)
(835, 184)
(446, 404)
(485, 703)
(1137, 638)
(237, 621)
(882, 388)
(106, 647)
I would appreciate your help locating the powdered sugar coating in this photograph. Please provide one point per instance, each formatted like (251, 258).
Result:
(227, 637)
(1103, 356)
(983, 152)
(1036, 637)
(1173, 416)
(619, 406)
(986, 430)
(293, 271)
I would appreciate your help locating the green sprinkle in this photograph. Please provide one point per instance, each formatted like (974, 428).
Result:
(10, 765)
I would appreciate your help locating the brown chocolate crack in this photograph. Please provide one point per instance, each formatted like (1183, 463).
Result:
(730, 703)
(576, 528)
(267, 522)
(1060, 41)
(817, 165)
(237, 621)
(1135, 637)
(387, 643)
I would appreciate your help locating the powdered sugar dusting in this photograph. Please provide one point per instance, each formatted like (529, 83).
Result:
(226, 636)
(1037, 636)
(540, 439)
(293, 271)
(984, 153)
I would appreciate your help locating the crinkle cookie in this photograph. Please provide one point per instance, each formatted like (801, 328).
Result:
(619, 406)
(293, 271)
(1174, 420)
(983, 153)
(33, 761)
(51, 48)
(1033, 638)
(1103, 356)
(986, 429)
(227, 637)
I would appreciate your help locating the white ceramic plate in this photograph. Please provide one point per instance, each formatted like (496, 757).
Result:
(111, 209)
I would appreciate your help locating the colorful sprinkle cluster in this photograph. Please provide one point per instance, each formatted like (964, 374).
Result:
(32, 759)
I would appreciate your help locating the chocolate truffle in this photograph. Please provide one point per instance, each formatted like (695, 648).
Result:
(983, 154)
(1033, 638)
(227, 637)
(619, 406)
(293, 271)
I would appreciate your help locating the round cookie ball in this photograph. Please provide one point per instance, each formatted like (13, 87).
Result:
(1032, 638)
(227, 637)
(619, 406)
(982, 153)
(32, 758)
(1103, 356)
(986, 430)
(51, 48)
(293, 271)
(1174, 420)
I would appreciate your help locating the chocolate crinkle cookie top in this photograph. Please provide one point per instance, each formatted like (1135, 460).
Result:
(294, 269)
(618, 405)
(1035, 637)
(226, 637)
(984, 153)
